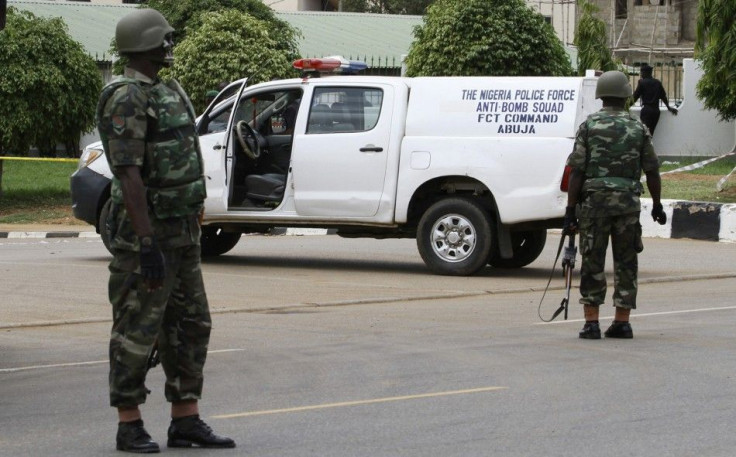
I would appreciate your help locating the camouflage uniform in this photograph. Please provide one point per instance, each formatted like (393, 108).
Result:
(150, 124)
(611, 150)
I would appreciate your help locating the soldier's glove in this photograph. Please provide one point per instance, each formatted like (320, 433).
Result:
(658, 214)
(153, 265)
(570, 224)
(673, 111)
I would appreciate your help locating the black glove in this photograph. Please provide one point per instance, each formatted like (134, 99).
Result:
(673, 111)
(570, 225)
(153, 265)
(658, 214)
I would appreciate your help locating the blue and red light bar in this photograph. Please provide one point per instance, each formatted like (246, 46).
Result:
(334, 64)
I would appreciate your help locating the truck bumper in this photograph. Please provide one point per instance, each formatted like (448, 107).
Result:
(88, 190)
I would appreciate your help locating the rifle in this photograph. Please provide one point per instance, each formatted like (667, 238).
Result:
(153, 358)
(568, 264)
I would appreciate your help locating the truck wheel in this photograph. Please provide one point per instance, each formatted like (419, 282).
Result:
(527, 246)
(215, 241)
(454, 237)
(102, 222)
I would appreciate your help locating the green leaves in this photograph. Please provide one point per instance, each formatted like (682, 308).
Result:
(224, 40)
(228, 45)
(49, 87)
(716, 49)
(485, 37)
(590, 38)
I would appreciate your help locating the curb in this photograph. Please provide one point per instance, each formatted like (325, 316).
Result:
(50, 234)
(685, 219)
(277, 231)
(695, 220)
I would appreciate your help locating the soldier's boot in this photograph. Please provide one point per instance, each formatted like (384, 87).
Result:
(590, 331)
(619, 329)
(132, 437)
(192, 431)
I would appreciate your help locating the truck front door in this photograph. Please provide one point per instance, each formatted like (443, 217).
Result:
(339, 162)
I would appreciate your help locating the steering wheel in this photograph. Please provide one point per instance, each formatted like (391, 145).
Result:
(249, 139)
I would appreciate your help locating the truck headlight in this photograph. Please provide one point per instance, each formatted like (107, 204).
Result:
(88, 156)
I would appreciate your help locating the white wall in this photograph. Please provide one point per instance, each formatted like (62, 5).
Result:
(695, 131)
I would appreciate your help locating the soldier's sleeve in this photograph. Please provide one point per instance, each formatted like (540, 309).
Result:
(649, 159)
(576, 160)
(126, 126)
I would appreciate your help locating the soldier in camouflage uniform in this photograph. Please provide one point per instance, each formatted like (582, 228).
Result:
(611, 151)
(158, 190)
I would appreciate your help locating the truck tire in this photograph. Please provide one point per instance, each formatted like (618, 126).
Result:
(454, 237)
(527, 246)
(101, 224)
(215, 241)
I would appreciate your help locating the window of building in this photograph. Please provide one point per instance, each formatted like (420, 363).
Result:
(621, 9)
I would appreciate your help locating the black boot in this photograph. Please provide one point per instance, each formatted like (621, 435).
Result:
(619, 330)
(192, 431)
(132, 437)
(590, 331)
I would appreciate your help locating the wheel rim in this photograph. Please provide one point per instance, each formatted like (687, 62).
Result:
(453, 238)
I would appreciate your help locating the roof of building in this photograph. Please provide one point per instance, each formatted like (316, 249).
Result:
(379, 39)
(352, 35)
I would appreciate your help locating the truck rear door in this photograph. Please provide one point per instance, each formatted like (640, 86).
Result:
(339, 162)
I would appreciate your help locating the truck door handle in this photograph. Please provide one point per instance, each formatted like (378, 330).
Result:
(217, 147)
(371, 148)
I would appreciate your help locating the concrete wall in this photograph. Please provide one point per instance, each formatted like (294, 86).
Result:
(695, 131)
(689, 20)
(655, 25)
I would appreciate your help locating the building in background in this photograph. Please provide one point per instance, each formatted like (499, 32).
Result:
(654, 31)
(562, 14)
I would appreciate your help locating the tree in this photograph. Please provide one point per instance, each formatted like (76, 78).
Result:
(485, 37)
(386, 6)
(228, 45)
(49, 88)
(715, 47)
(187, 15)
(590, 38)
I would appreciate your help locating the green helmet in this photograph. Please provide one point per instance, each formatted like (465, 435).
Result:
(613, 84)
(142, 30)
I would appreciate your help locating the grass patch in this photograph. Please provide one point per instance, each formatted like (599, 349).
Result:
(700, 184)
(36, 192)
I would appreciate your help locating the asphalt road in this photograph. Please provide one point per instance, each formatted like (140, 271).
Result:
(330, 347)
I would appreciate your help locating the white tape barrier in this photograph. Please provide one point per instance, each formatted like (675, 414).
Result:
(701, 164)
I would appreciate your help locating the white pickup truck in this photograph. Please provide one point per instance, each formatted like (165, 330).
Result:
(469, 166)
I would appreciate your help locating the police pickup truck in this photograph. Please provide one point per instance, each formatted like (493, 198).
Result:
(470, 167)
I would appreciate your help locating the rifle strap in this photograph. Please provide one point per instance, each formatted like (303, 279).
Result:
(549, 281)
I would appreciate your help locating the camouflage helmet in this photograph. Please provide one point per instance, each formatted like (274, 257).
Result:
(142, 30)
(613, 84)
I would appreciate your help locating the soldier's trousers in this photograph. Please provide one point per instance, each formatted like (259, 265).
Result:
(625, 234)
(177, 315)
